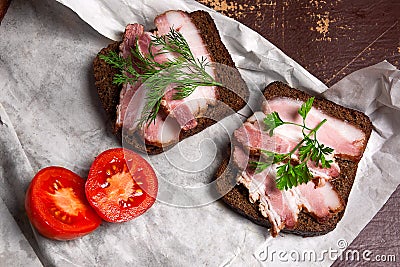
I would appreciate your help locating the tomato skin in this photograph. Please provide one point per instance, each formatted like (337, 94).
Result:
(121, 185)
(44, 202)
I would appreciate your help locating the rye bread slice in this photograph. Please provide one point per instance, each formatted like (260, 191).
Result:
(238, 197)
(234, 99)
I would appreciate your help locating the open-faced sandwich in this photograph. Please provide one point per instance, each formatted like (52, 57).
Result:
(294, 162)
(179, 74)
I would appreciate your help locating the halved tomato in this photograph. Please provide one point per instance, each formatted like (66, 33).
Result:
(121, 185)
(56, 205)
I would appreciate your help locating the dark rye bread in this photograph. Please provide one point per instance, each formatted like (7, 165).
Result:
(103, 76)
(238, 197)
(232, 100)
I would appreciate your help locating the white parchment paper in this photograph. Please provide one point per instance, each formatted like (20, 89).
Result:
(49, 96)
(15, 171)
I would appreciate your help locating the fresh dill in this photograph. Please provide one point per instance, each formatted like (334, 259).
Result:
(181, 70)
(309, 149)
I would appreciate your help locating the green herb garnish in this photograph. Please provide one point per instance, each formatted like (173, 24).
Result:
(183, 71)
(288, 174)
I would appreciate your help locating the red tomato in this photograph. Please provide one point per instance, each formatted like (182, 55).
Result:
(121, 185)
(56, 205)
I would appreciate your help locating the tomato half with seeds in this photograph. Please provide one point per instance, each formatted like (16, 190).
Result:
(57, 207)
(121, 185)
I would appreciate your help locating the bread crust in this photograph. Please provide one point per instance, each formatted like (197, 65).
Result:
(238, 197)
(235, 100)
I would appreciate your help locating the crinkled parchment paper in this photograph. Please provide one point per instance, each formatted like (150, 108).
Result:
(55, 118)
(15, 174)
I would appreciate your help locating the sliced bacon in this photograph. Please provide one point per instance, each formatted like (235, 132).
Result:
(279, 205)
(161, 132)
(240, 157)
(159, 56)
(131, 98)
(320, 201)
(181, 22)
(186, 110)
(254, 138)
(347, 140)
(132, 33)
(317, 197)
(282, 207)
(126, 96)
(324, 174)
(135, 35)
(178, 109)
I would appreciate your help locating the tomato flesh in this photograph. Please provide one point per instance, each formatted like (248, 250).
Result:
(121, 185)
(57, 207)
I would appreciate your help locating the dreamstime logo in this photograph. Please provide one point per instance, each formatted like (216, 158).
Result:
(266, 254)
(185, 167)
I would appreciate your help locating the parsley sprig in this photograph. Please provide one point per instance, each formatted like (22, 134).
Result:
(182, 70)
(309, 149)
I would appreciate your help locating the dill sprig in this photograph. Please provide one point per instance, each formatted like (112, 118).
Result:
(181, 70)
(309, 149)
